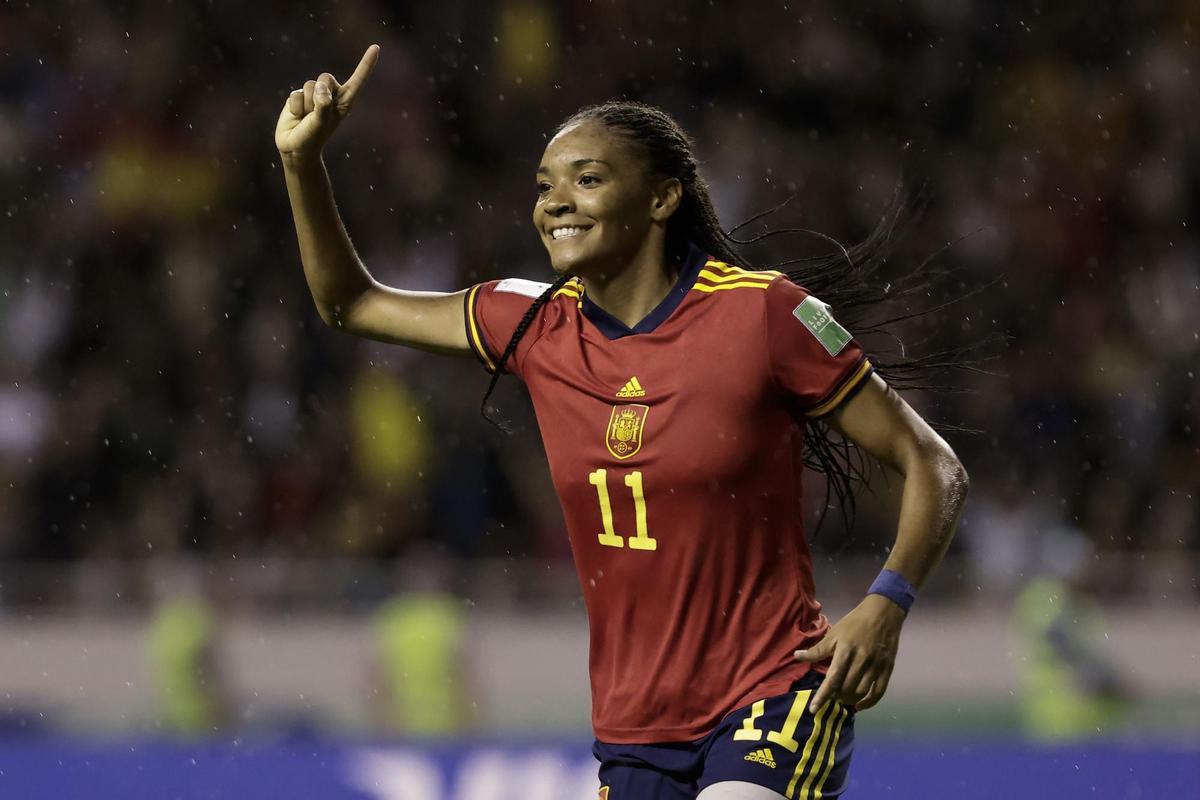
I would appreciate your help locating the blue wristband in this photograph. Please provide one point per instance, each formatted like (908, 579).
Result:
(894, 587)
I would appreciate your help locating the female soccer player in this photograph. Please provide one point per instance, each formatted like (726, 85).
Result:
(671, 389)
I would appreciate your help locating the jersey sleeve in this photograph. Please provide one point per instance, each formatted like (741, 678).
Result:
(491, 313)
(812, 357)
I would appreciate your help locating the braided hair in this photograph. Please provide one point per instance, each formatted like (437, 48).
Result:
(847, 278)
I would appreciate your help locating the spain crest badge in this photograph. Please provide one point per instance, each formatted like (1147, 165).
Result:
(625, 428)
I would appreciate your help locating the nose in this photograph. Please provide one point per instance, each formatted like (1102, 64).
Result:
(558, 204)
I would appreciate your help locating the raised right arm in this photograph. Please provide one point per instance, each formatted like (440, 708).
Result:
(346, 295)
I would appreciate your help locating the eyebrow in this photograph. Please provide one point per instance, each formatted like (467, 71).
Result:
(577, 163)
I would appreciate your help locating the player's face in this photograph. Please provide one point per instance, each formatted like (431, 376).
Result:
(594, 201)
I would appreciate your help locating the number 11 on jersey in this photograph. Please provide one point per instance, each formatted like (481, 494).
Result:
(610, 538)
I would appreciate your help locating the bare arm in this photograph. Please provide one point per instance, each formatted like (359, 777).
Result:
(935, 481)
(864, 643)
(346, 295)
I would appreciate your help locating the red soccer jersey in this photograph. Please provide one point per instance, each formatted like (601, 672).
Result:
(675, 450)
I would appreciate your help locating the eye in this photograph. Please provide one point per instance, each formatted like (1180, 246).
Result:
(543, 187)
(588, 180)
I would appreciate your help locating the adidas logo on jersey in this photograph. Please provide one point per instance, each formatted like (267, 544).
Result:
(763, 756)
(632, 389)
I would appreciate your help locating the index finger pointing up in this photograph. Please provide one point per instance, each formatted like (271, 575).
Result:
(361, 73)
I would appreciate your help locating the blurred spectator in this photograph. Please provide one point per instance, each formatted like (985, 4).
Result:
(1068, 688)
(420, 641)
(183, 647)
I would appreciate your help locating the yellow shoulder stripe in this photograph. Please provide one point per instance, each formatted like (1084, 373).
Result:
(476, 338)
(725, 278)
(721, 266)
(701, 287)
(863, 370)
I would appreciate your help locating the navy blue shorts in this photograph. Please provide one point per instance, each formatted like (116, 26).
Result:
(774, 742)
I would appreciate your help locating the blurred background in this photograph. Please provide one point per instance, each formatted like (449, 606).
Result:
(239, 546)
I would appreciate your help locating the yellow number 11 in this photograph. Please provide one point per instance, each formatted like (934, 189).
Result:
(610, 538)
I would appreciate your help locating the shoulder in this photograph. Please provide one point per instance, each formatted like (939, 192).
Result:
(733, 291)
(519, 286)
(760, 292)
(497, 310)
(719, 277)
(520, 293)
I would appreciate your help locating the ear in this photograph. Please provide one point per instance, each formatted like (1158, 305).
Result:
(667, 197)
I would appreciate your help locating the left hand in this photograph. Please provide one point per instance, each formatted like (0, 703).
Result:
(863, 645)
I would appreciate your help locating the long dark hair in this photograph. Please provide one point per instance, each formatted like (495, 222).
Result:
(848, 279)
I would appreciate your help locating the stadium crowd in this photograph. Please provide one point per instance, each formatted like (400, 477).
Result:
(168, 387)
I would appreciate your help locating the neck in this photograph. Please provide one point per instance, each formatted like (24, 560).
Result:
(631, 290)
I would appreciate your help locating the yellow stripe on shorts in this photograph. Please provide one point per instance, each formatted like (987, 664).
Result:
(814, 792)
(813, 741)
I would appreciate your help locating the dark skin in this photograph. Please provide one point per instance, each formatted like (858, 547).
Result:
(864, 643)
(592, 180)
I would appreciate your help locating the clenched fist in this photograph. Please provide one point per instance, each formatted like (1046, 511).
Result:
(312, 114)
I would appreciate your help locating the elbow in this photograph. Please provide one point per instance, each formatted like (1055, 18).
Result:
(334, 316)
(343, 316)
(945, 469)
(962, 482)
(955, 476)
(327, 316)
(331, 318)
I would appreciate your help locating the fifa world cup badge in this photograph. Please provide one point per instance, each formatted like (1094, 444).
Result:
(818, 318)
(625, 428)
(603, 793)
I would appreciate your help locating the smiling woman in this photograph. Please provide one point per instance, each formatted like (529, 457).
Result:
(598, 215)
(677, 394)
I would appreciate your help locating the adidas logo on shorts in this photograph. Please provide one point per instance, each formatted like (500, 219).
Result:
(763, 756)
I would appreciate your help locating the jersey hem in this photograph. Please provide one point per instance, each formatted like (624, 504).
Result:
(768, 688)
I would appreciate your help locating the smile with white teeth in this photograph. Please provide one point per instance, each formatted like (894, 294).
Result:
(563, 233)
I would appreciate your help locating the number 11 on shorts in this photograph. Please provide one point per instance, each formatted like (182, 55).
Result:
(610, 538)
(785, 736)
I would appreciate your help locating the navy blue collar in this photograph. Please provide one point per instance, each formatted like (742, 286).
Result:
(613, 328)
